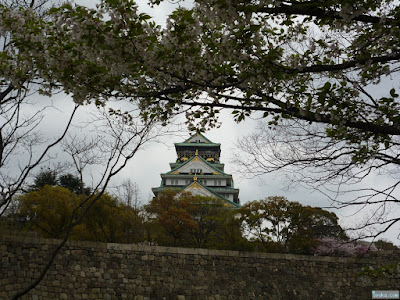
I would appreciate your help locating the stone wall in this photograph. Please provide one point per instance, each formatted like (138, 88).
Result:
(85, 270)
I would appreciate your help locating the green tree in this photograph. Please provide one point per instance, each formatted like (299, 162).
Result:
(51, 177)
(195, 221)
(283, 226)
(308, 224)
(207, 214)
(228, 233)
(171, 217)
(385, 245)
(73, 183)
(110, 221)
(44, 177)
(49, 209)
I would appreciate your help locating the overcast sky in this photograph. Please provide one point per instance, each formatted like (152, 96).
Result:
(146, 166)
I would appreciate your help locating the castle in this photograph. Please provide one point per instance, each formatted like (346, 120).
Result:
(198, 170)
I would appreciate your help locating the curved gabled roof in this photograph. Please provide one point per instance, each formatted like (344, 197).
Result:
(210, 191)
(216, 170)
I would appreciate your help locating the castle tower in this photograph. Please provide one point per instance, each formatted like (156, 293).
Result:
(198, 170)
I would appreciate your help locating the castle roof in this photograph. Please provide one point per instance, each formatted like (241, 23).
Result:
(197, 158)
(198, 138)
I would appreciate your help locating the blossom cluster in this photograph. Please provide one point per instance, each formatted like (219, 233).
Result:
(219, 53)
(330, 246)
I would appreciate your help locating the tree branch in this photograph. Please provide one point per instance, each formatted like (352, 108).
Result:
(312, 10)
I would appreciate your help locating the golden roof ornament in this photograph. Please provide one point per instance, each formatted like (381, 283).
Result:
(197, 152)
(195, 177)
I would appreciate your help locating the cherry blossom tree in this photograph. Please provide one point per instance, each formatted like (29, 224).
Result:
(27, 71)
(339, 247)
(23, 147)
(316, 68)
(310, 61)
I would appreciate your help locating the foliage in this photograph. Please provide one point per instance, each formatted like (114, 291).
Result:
(287, 60)
(184, 219)
(172, 216)
(388, 270)
(44, 177)
(284, 226)
(229, 235)
(385, 245)
(73, 183)
(49, 210)
(208, 214)
(110, 221)
(68, 180)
